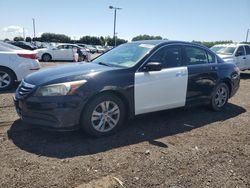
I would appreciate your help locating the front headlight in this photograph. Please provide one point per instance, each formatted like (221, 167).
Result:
(66, 88)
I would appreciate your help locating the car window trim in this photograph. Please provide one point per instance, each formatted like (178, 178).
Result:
(243, 49)
(202, 48)
(166, 45)
(246, 50)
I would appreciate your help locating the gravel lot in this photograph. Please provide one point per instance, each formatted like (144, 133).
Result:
(178, 148)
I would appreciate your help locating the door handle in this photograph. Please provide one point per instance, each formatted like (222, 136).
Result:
(179, 74)
(214, 68)
(244, 58)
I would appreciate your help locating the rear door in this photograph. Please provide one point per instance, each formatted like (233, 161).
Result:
(63, 52)
(164, 89)
(247, 61)
(202, 74)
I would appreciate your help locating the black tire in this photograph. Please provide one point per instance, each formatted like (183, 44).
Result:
(46, 57)
(9, 77)
(215, 104)
(86, 121)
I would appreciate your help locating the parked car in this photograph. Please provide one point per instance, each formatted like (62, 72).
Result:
(217, 47)
(64, 52)
(15, 64)
(89, 47)
(237, 53)
(132, 79)
(24, 45)
(100, 49)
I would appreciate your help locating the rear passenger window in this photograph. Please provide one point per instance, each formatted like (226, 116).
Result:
(211, 57)
(169, 56)
(196, 56)
(247, 48)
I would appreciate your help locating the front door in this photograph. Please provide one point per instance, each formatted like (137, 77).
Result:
(164, 89)
(240, 57)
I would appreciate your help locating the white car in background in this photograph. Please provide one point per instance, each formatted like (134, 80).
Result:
(217, 47)
(63, 52)
(236, 53)
(15, 64)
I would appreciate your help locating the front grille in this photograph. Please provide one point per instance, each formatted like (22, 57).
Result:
(25, 89)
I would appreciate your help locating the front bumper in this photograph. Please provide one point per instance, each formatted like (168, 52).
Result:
(50, 112)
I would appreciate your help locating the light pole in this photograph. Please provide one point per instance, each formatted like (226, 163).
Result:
(247, 34)
(34, 27)
(115, 8)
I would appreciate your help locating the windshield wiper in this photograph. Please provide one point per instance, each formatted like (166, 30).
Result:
(105, 64)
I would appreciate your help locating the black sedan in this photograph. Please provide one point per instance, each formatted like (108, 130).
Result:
(132, 79)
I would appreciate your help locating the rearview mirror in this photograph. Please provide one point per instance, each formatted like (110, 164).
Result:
(152, 66)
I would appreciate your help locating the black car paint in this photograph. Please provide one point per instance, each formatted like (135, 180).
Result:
(65, 111)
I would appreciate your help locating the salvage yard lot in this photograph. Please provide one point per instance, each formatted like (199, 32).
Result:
(192, 147)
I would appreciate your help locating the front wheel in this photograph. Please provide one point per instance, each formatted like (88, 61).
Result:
(220, 97)
(104, 115)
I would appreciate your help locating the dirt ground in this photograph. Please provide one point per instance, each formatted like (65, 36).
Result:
(178, 148)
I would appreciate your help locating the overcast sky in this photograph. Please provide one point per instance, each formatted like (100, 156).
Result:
(203, 20)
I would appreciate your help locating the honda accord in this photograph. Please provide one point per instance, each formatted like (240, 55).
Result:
(131, 79)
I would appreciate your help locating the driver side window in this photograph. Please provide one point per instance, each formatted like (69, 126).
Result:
(169, 56)
(60, 47)
(240, 51)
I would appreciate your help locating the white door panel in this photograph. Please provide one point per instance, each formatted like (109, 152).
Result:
(160, 90)
(63, 54)
(247, 62)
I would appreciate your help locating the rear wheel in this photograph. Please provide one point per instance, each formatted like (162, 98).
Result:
(7, 79)
(103, 115)
(220, 97)
(46, 57)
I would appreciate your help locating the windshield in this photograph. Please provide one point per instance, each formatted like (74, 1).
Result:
(227, 50)
(216, 48)
(126, 55)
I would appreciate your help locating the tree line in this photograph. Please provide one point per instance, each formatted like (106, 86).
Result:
(93, 40)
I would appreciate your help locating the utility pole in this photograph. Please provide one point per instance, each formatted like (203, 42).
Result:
(114, 35)
(34, 27)
(23, 33)
(247, 35)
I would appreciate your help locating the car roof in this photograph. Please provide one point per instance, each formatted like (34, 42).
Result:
(162, 42)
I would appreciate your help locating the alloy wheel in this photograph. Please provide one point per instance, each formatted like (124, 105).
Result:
(221, 97)
(5, 79)
(105, 116)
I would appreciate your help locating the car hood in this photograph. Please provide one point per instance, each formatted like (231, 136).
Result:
(66, 73)
(225, 56)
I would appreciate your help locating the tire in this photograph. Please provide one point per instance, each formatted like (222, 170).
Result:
(46, 57)
(96, 119)
(219, 97)
(7, 79)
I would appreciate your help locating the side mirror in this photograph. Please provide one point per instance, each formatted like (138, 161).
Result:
(152, 66)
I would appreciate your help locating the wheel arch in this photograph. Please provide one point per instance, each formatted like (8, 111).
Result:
(46, 53)
(229, 85)
(14, 73)
(128, 109)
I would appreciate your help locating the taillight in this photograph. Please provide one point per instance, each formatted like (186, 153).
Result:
(29, 56)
